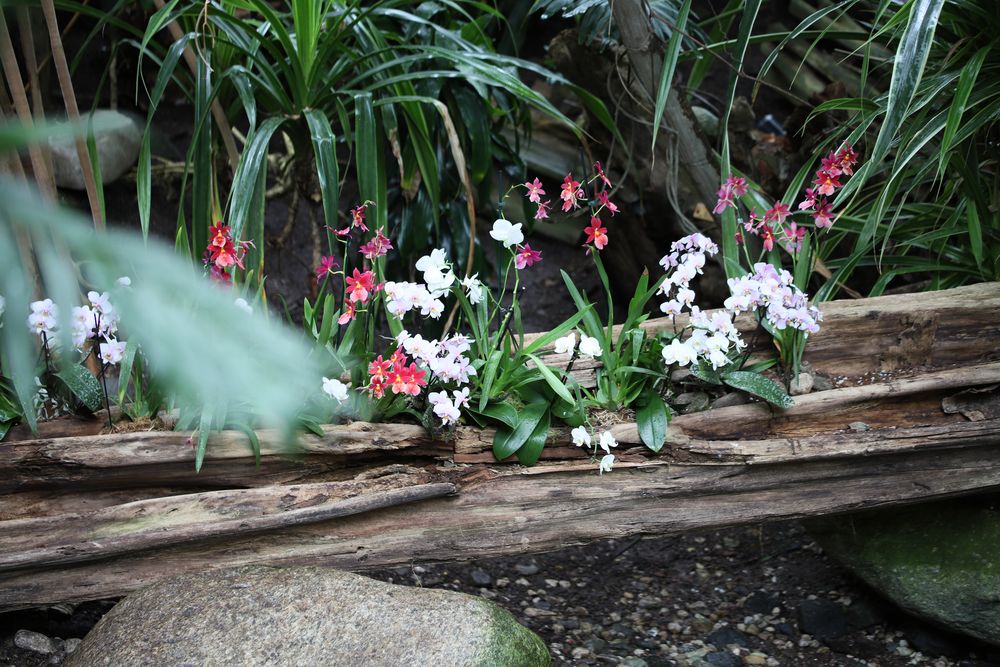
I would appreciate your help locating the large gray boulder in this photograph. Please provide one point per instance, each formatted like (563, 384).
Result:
(304, 616)
(940, 561)
(118, 137)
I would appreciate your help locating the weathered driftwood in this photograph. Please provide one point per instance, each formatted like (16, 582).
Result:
(95, 516)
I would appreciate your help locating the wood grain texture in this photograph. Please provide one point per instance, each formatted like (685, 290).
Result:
(86, 517)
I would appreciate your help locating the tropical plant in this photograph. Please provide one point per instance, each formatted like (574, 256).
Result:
(185, 327)
(926, 203)
(411, 97)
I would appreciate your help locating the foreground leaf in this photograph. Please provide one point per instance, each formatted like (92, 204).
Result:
(759, 386)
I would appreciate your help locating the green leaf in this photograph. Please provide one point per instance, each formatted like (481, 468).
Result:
(83, 385)
(705, 374)
(669, 65)
(652, 420)
(550, 378)
(325, 152)
(760, 386)
(531, 450)
(507, 441)
(505, 413)
(489, 375)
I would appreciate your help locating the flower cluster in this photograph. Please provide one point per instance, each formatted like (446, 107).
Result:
(445, 358)
(834, 165)
(572, 195)
(223, 252)
(770, 227)
(589, 347)
(448, 410)
(772, 290)
(97, 322)
(582, 438)
(511, 235)
(685, 261)
(397, 373)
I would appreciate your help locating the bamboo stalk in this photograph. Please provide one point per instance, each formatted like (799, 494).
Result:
(31, 64)
(72, 111)
(43, 177)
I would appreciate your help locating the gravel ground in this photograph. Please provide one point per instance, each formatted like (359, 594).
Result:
(763, 595)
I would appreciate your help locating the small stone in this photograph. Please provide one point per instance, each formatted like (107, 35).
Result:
(723, 659)
(480, 577)
(692, 401)
(634, 662)
(760, 602)
(822, 619)
(595, 644)
(680, 375)
(859, 426)
(551, 583)
(502, 582)
(580, 652)
(803, 384)
(732, 398)
(34, 641)
(527, 569)
(71, 644)
(535, 612)
(755, 659)
(725, 636)
(822, 383)
(674, 627)
(650, 602)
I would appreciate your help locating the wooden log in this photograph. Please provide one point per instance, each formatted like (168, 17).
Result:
(180, 520)
(881, 334)
(543, 508)
(166, 458)
(138, 519)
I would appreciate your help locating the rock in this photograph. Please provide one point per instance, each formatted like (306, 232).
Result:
(823, 619)
(755, 659)
(71, 644)
(527, 569)
(303, 615)
(634, 662)
(859, 426)
(732, 398)
(692, 401)
(939, 561)
(34, 641)
(760, 602)
(803, 384)
(118, 137)
(862, 614)
(480, 577)
(932, 643)
(822, 383)
(723, 659)
(725, 636)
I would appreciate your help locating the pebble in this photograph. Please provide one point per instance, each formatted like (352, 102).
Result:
(34, 641)
(803, 384)
(480, 577)
(755, 659)
(527, 569)
(71, 644)
(859, 426)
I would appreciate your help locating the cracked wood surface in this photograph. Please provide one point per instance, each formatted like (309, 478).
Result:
(93, 516)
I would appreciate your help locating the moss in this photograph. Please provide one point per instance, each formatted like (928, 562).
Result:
(510, 643)
(939, 561)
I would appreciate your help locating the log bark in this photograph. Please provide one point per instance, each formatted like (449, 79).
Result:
(98, 516)
(544, 508)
